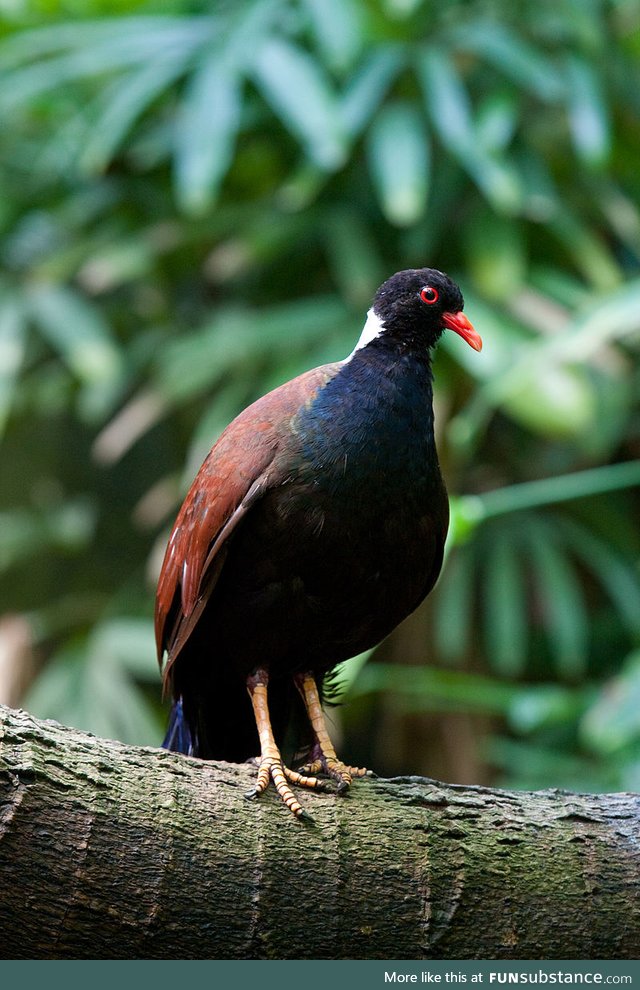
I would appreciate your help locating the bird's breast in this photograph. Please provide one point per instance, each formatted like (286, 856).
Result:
(364, 503)
(368, 437)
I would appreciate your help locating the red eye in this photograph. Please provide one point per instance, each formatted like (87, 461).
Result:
(429, 295)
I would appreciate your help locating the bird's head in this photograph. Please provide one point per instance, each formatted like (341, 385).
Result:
(416, 306)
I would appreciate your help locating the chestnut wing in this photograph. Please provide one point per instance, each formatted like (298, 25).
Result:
(244, 463)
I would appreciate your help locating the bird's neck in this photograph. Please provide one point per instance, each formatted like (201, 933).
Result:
(391, 387)
(376, 412)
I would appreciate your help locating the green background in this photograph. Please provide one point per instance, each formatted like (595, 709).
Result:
(197, 201)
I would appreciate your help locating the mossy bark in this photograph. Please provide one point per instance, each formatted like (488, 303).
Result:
(113, 851)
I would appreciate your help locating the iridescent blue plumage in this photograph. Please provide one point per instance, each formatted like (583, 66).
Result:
(178, 736)
(374, 418)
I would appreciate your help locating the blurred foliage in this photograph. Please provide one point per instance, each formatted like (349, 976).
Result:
(197, 202)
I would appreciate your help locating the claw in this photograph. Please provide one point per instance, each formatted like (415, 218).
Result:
(323, 756)
(271, 768)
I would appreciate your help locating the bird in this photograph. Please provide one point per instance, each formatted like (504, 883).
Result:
(315, 525)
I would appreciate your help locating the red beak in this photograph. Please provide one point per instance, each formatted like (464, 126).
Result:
(461, 325)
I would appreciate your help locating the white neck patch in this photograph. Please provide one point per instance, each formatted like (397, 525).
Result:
(372, 329)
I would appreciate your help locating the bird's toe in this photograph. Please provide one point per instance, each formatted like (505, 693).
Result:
(361, 772)
(272, 769)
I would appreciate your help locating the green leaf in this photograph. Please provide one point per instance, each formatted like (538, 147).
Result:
(420, 689)
(466, 513)
(337, 27)
(127, 643)
(454, 604)
(496, 255)
(621, 213)
(206, 134)
(121, 104)
(368, 87)
(588, 118)
(505, 604)
(496, 43)
(498, 180)
(32, 45)
(496, 121)
(25, 533)
(587, 248)
(449, 107)
(560, 488)
(554, 399)
(57, 693)
(292, 82)
(401, 10)
(613, 721)
(546, 705)
(615, 316)
(12, 351)
(565, 618)
(348, 672)
(534, 766)
(541, 199)
(118, 263)
(561, 286)
(399, 163)
(447, 101)
(132, 42)
(78, 331)
(545, 386)
(618, 576)
(238, 337)
(354, 256)
(89, 684)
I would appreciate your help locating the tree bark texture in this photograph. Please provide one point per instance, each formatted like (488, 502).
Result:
(114, 851)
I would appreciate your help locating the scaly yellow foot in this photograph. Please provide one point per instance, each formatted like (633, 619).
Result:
(325, 759)
(270, 764)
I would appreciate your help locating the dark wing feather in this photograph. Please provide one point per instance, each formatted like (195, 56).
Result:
(245, 462)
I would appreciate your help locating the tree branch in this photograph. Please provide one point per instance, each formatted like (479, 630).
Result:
(113, 851)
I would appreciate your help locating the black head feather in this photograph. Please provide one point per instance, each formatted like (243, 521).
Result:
(406, 309)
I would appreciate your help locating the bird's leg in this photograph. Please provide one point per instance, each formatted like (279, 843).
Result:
(270, 764)
(323, 756)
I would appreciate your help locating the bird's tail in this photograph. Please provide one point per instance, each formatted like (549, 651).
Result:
(179, 738)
